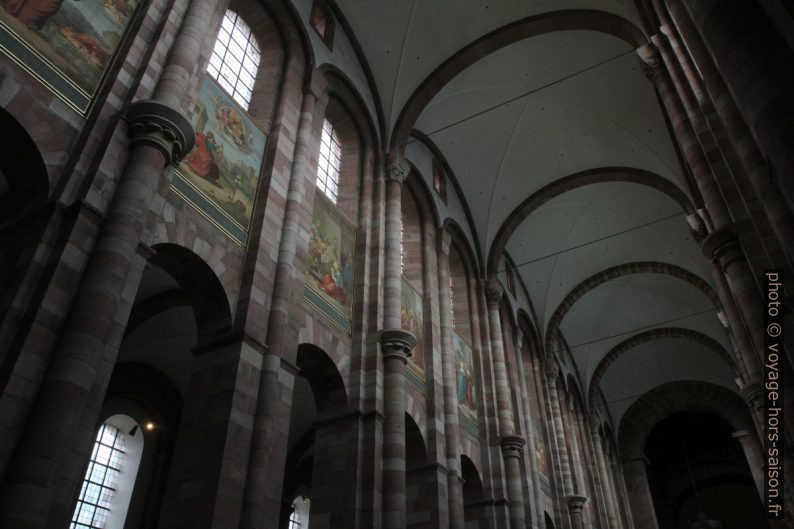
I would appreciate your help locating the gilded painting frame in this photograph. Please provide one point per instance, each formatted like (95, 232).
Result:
(329, 283)
(220, 176)
(67, 46)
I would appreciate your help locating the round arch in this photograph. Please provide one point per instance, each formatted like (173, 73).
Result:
(639, 267)
(649, 336)
(570, 19)
(326, 382)
(574, 181)
(199, 286)
(662, 401)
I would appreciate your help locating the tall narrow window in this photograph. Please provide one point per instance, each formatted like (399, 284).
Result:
(110, 478)
(99, 485)
(328, 169)
(235, 58)
(299, 518)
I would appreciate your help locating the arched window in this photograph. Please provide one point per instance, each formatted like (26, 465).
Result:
(328, 168)
(299, 518)
(235, 58)
(109, 479)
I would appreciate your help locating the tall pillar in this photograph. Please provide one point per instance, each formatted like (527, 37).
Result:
(755, 458)
(721, 245)
(396, 345)
(560, 447)
(575, 508)
(737, 34)
(39, 490)
(753, 162)
(264, 479)
(642, 512)
(511, 444)
(448, 359)
(613, 521)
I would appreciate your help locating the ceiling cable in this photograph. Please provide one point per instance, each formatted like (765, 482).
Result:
(525, 94)
(650, 326)
(598, 240)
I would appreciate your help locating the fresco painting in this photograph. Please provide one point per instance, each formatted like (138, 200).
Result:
(541, 450)
(66, 43)
(411, 314)
(225, 163)
(467, 396)
(331, 260)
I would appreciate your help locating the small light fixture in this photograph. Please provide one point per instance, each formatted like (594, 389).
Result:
(149, 426)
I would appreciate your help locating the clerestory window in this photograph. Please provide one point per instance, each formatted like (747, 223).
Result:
(235, 59)
(329, 163)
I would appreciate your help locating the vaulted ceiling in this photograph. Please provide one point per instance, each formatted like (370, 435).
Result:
(565, 160)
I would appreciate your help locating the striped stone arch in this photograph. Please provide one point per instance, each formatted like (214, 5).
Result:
(562, 20)
(583, 178)
(325, 379)
(672, 397)
(649, 336)
(637, 267)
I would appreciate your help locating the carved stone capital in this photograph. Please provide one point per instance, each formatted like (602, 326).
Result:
(740, 435)
(512, 445)
(396, 344)
(162, 127)
(722, 246)
(755, 394)
(652, 64)
(595, 424)
(397, 170)
(575, 503)
(493, 293)
(552, 371)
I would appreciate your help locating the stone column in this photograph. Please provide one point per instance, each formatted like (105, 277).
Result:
(620, 490)
(642, 512)
(264, 480)
(449, 361)
(721, 245)
(38, 490)
(560, 447)
(396, 345)
(613, 521)
(737, 34)
(721, 103)
(755, 458)
(510, 443)
(575, 508)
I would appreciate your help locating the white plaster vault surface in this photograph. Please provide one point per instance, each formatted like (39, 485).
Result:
(580, 101)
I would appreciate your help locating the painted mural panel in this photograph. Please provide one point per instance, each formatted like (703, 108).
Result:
(411, 314)
(541, 451)
(223, 168)
(67, 44)
(331, 260)
(467, 396)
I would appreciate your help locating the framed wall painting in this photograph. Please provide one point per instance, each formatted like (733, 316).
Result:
(467, 394)
(330, 270)
(220, 175)
(68, 45)
(412, 319)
